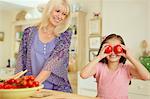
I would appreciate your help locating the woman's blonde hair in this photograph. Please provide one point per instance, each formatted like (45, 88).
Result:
(48, 8)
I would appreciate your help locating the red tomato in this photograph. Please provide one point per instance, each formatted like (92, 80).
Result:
(11, 81)
(24, 83)
(17, 81)
(8, 86)
(1, 85)
(36, 83)
(31, 77)
(118, 49)
(30, 83)
(108, 49)
(25, 77)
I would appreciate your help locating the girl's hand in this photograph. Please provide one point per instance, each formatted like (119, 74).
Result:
(102, 53)
(125, 52)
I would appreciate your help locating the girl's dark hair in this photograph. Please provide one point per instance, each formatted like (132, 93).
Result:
(104, 60)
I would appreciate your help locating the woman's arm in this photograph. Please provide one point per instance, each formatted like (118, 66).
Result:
(43, 75)
(22, 53)
(58, 61)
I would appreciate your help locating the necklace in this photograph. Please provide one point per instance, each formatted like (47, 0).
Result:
(48, 32)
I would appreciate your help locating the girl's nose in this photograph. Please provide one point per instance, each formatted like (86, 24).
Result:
(113, 53)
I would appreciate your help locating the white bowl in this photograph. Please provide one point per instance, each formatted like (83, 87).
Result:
(21, 93)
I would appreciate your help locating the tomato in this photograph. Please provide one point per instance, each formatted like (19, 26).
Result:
(108, 49)
(1, 85)
(17, 81)
(30, 83)
(118, 49)
(8, 86)
(11, 81)
(25, 77)
(36, 83)
(24, 83)
(31, 77)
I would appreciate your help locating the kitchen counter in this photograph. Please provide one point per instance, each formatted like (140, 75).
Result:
(50, 94)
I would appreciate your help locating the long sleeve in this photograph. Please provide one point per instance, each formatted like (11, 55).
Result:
(58, 60)
(22, 54)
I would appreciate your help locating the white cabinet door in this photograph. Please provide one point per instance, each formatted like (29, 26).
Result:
(139, 89)
(87, 87)
(136, 96)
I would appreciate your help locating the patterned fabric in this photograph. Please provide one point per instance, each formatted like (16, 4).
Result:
(57, 62)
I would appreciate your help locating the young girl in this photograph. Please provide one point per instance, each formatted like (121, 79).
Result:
(111, 71)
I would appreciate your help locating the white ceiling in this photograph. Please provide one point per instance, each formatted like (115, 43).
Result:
(17, 4)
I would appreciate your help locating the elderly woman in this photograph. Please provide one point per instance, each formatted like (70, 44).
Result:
(44, 50)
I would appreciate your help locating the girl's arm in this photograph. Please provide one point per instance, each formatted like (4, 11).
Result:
(137, 69)
(90, 69)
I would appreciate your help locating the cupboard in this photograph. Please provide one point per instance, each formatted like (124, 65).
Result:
(94, 36)
(78, 44)
(139, 89)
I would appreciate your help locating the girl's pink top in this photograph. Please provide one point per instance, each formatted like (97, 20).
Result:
(112, 84)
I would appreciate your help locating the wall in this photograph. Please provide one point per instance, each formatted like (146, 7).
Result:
(148, 33)
(5, 46)
(89, 6)
(127, 18)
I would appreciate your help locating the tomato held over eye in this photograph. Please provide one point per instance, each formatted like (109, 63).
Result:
(108, 49)
(118, 49)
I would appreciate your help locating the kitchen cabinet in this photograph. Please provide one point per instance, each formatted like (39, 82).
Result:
(139, 89)
(94, 36)
(78, 44)
(87, 87)
(6, 72)
(137, 96)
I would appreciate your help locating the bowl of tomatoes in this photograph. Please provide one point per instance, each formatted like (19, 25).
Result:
(20, 88)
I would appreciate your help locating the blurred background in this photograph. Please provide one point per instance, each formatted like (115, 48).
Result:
(92, 20)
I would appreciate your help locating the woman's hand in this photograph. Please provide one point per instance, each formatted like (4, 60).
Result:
(43, 75)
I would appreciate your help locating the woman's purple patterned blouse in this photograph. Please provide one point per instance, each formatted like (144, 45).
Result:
(57, 61)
